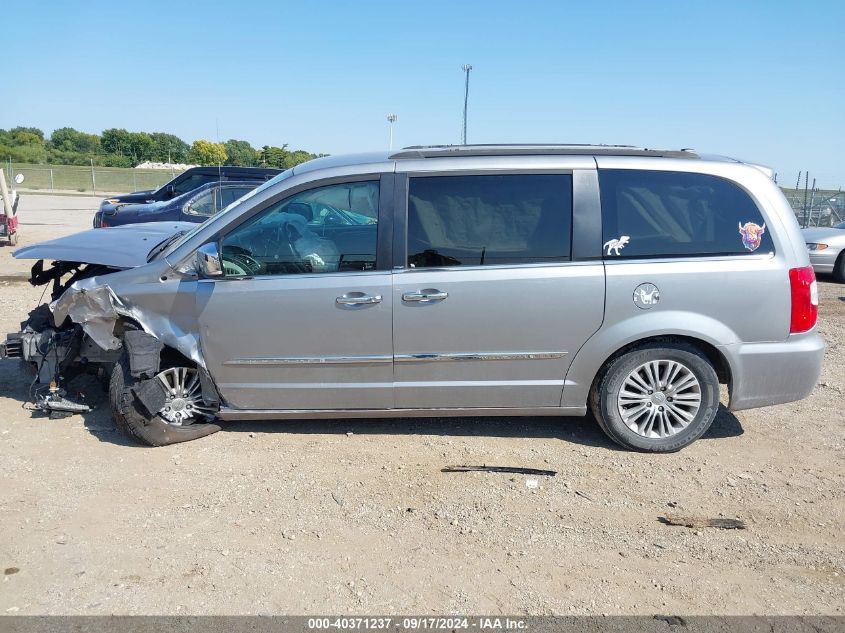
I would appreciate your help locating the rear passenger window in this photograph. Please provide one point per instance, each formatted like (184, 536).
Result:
(489, 220)
(668, 214)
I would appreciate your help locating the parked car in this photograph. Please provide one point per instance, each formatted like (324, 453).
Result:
(195, 206)
(827, 249)
(189, 180)
(486, 280)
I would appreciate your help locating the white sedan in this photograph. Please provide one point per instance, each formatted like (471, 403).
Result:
(827, 249)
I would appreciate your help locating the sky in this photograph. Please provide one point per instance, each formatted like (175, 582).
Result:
(760, 81)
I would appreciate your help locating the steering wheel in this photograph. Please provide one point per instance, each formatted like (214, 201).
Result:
(233, 269)
(239, 262)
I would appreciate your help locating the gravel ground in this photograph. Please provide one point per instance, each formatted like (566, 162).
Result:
(356, 517)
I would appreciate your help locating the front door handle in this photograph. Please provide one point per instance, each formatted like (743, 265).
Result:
(425, 296)
(357, 298)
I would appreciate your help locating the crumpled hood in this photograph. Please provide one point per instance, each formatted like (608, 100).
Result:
(119, 247)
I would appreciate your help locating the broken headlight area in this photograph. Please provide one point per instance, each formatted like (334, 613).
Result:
(57, 353)
(57, 272)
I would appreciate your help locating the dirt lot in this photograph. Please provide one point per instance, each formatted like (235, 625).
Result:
(356, 517)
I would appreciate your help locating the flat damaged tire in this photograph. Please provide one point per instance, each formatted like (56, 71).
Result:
(657, 398)
(132, 418)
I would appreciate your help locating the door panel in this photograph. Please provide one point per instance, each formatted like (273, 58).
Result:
(287, 342)
(503, 337)
(304, 320)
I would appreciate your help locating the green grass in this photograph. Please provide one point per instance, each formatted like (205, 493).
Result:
(74, 178)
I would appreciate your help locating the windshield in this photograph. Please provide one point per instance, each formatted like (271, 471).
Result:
(841, 225)
(171, 244)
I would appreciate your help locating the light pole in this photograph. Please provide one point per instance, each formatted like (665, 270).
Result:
(391, 118)
(466, 68)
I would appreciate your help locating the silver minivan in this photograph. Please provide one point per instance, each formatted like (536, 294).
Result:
(445, 281)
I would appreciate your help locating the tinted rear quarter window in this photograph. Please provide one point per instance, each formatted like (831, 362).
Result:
(665, 214)
(489, 220)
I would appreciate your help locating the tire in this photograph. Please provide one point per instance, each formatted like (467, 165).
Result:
(839, 268)
(671, 433)
(131, 418)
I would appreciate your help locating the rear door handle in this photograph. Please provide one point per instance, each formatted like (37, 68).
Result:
(357, 298)
(425, 296)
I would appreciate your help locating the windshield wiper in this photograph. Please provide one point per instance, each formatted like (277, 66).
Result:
(164, 244)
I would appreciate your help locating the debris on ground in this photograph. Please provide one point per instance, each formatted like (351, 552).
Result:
(514, 470)
(58, 406)
(703, 522)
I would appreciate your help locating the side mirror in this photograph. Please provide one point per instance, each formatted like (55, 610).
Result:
(171, 191)
(208, 261)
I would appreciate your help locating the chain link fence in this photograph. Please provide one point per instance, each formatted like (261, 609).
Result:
(817, 207)
(93, 180)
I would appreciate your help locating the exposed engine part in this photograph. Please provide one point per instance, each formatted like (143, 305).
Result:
(56, 355)
(13, 347)
(39, 276)
(50, 351)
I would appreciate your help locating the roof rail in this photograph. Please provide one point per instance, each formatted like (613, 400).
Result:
(437, 151)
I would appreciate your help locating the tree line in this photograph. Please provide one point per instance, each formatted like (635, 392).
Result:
(117, 147)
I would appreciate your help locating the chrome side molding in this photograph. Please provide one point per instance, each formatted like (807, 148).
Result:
(418, 358)
(312, 360)
(398, 358)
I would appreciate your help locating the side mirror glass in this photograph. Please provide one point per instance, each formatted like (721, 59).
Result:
(208, 261)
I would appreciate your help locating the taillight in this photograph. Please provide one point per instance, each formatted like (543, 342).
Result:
(805, 299)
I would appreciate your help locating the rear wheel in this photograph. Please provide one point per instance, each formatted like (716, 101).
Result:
(182, 415)
(656, 398)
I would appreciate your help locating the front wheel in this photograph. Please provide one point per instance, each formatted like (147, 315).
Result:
(182, 415)
(839, 268)
(657, 398)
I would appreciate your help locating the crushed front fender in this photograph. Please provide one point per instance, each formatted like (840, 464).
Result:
(164, 311)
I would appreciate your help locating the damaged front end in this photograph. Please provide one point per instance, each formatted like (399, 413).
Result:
(59, 351)
(88, 327)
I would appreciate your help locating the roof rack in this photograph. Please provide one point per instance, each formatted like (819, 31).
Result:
(437, 151)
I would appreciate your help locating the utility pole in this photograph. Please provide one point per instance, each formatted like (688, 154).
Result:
(391, 119)
(466, 68)
(806, 184)
(813, 202)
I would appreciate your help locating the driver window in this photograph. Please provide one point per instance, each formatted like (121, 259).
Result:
(322, 230)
